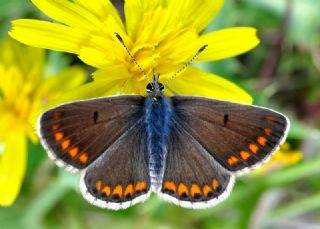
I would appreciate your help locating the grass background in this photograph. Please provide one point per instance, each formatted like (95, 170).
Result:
(282, 73)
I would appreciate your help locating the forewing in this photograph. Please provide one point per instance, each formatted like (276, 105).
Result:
(192, 178)
(120, 177)
(240, 137)
(77, 133)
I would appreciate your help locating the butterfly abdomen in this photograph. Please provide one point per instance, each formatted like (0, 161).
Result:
(157, 116)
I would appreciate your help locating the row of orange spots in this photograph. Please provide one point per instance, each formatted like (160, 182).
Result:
(232, 160)
(128, 191)
(194, 189)
(65, 144)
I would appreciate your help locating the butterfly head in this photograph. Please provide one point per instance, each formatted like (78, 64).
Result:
(155, 89)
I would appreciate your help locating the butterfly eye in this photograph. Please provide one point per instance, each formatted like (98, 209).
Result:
(149, 88)
(161, 87)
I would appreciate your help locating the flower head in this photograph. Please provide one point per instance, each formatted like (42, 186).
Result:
(161, 35)
(24, 91)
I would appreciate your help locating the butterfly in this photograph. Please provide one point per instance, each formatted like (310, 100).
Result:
(186, 149)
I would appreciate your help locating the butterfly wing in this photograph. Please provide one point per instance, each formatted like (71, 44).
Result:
(120, 177)
(106, 137)
(77, 133)
(239, 137)
(192, 177)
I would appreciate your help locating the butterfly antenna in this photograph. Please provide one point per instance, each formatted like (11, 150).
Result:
(186, 64)
(132, 58)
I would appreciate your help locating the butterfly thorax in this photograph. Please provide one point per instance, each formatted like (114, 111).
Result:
(158, 112)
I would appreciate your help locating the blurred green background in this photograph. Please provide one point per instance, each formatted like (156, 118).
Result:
(282, 73)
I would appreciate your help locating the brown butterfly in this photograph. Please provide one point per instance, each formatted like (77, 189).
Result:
(186, 149)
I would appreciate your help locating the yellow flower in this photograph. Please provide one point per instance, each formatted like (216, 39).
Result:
(284, 157)
(24, 90)
(162, 35)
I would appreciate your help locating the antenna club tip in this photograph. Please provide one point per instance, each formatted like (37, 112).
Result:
(203, 48)
(119, 37)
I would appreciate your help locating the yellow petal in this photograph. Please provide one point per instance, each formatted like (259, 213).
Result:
(163, 16)
(54, 88)
(69, 13)
(25, 57)
(194, 13)
(104, 48)
(87, 91)
(12, 167)
(46, 35)
(134, 12)
(198, 83)
(101, 8)
(227, 43)
(66, 80)
(111, 73)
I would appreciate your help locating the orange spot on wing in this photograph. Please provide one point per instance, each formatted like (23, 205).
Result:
(58, 136)
(56, 115)
(140, 186)
(106, 190)
(73, 152)
(270, 119)
(83, 158)
(182, 189)
(195, 189)
(262, 141)
(98, 185)
(129, 190)
(215, 183)
(206, 190)
(65, 144)
(254, 148)
(55, 127)
(232, 160)
(170, 186)
(267, 131)
(244, 155)
(117, 190)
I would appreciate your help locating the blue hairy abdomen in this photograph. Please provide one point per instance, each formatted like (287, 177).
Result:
(157, 116)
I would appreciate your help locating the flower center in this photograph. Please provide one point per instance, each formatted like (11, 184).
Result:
(147, 57)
